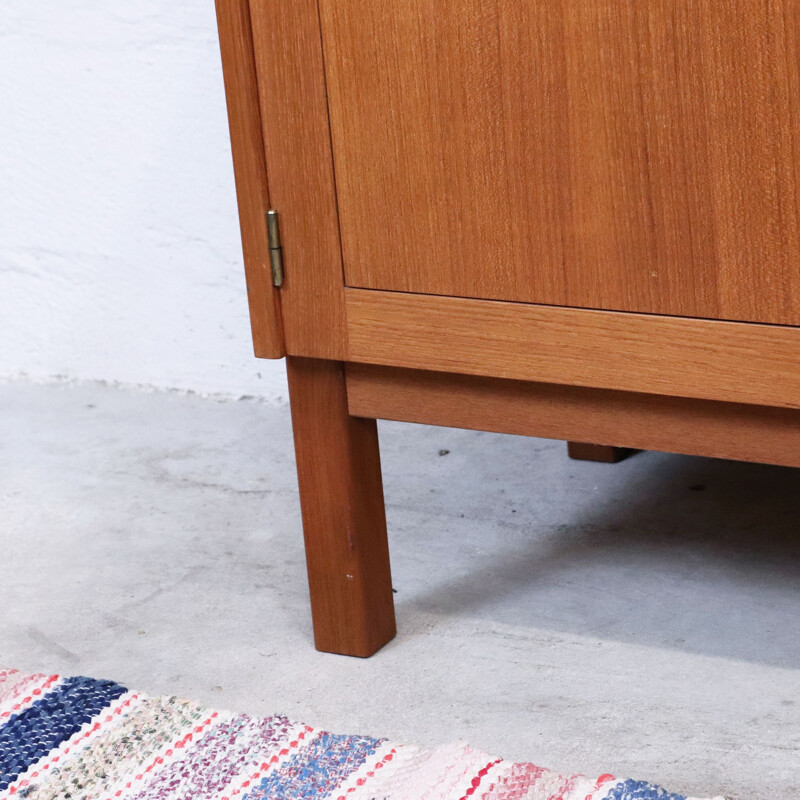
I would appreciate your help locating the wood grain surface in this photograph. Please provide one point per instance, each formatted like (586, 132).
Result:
(294, 114)
(730, 361)
(344, 523)
(612, 154)
(642, 421)
(241, 90)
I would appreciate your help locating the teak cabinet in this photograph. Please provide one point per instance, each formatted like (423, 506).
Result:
(576, 219)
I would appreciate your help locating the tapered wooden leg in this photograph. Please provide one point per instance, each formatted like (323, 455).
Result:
(605, 454)
(344, 521)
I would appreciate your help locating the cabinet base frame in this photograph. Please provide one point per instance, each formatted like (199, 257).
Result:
(601, 453)
(620, 419)
(334, 411)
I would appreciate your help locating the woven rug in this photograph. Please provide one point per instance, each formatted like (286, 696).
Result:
(70, 738)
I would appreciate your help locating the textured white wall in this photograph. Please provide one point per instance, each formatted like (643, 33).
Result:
(119, 246)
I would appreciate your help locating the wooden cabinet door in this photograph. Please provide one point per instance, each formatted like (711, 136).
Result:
(633, 155)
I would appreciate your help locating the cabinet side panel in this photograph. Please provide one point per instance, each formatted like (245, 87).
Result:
(294, 116)
(241, 91)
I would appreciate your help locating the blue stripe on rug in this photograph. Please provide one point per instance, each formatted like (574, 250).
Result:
(318, 769)
(639, 790)
(43, 726)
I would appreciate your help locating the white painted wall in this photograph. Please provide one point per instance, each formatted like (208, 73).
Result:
(120, 257)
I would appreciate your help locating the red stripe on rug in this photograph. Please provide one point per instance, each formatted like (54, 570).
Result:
(476, 781)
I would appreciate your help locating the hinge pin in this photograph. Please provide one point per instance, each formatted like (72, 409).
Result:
(275, 248)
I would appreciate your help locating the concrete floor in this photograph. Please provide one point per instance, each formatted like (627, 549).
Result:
(641, 619)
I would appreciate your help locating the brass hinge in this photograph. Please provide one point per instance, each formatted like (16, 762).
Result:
(275, 249)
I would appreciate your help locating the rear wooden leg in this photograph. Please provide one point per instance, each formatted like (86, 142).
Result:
(605, 454)
(344, 521)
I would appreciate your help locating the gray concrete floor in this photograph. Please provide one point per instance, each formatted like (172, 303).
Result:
(640, 619)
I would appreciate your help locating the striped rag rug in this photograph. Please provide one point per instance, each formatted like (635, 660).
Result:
(69, 738)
